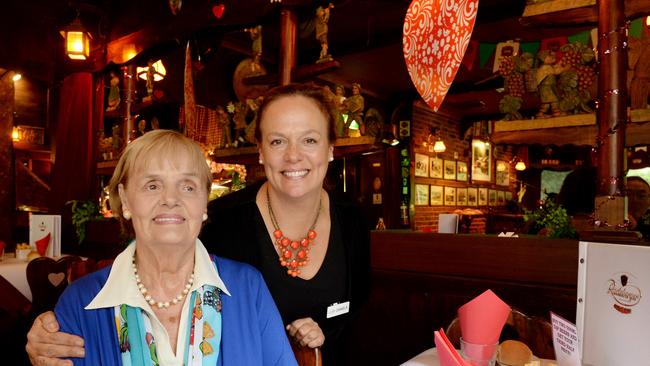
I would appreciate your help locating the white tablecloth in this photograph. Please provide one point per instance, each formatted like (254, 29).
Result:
(15, 271)
(430, 358)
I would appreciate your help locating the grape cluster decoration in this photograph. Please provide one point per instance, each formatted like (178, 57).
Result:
(574, 81)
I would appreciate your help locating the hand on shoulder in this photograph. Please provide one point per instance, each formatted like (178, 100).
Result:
(45, 344)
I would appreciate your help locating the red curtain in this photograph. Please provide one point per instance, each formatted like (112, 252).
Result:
(74, 164)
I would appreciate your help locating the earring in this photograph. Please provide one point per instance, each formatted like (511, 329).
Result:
(205, 216)
(331, 158)
(260, 161)
(126, 214)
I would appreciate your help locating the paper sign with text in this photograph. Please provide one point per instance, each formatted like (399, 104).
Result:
(565, 341)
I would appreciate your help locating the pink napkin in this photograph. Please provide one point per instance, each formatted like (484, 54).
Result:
(447, 354)
(482, 319)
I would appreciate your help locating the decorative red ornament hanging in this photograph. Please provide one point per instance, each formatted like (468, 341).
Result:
(435, 37)
(218, 10)
(175, 6)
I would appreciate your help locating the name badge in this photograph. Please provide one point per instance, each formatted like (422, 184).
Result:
(337, 309)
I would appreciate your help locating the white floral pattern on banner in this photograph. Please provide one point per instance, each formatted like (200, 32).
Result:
(436, 35)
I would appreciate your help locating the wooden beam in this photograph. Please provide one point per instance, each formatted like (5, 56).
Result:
(546, 7)
(611, 115)
(561, 12)
(297, 73)
(288, 30)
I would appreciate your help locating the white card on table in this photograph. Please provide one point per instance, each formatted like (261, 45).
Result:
(565, 341)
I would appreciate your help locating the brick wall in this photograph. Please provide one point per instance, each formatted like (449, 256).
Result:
(425, 217)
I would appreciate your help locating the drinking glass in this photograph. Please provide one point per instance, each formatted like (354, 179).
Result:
(479, 354)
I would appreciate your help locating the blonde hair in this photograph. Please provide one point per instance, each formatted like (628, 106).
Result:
(157, 144)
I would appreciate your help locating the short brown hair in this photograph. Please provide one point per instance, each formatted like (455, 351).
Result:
(138, 153)
(308, 90)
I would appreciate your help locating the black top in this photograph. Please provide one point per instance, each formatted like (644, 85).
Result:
(235, 229)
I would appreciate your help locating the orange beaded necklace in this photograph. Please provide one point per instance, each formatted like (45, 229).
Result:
(293, 254)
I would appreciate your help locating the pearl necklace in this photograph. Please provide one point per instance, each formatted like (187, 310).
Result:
(151, 300)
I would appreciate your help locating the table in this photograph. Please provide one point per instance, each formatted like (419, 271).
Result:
(15, 271)
(430, 358)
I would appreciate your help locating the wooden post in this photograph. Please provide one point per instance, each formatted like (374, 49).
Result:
(287, 44)
(7, 171)
(611, 115)
(130, 79)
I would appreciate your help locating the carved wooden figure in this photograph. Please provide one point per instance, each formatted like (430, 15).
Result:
(322, 18)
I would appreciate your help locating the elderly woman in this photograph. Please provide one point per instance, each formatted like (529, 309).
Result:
(166, 300)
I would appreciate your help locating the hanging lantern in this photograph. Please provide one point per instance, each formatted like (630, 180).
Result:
(77, 40)
(15, 134)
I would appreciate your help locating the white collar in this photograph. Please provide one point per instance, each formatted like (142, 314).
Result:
(121, 288)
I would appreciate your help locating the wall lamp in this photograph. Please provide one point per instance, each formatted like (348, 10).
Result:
(389, 136)
(520, 159)
(434, 141)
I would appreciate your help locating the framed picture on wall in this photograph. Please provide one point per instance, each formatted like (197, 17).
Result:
(450, 169)
(501, 200)
(461, 196)
(436, 196)
(435, 170)
(482, 196)
(481, 161)
(461, 171)
(450, 196)
(472, 196)
(422, 194)
(508, 196)
(492, 197)
(421, 166)
(502, 175)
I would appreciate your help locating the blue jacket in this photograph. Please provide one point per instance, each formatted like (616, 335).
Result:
(252, 330)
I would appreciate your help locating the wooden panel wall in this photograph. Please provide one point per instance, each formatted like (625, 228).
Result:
(420, 280)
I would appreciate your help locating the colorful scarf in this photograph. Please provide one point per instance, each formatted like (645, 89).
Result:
(138, 347)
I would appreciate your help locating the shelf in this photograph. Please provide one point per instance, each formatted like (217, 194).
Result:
(579, 129)
(106, 167)
(342, 147)
(114, 114)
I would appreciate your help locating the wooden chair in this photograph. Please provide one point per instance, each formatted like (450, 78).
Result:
(14, 323)
(535, 332)
(83, 267)
(306, 356)
(47, 279)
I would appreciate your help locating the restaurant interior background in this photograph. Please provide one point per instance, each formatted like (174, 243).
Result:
(62, 126)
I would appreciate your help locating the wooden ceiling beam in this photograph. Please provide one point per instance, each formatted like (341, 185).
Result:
(572, 12)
